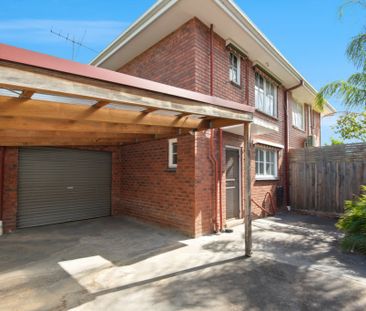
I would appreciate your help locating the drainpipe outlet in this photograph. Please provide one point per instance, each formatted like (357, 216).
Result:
(1, 228)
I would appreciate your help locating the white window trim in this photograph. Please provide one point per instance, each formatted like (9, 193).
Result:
(303, 116)
(170, 153)
(238, 69)
(267, 177)
(266, 81)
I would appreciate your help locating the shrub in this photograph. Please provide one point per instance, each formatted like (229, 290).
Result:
(353, 224)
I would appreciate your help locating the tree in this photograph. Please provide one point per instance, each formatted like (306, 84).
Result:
(352, 125)
(353, 90)
(353, 224)
(335, 141)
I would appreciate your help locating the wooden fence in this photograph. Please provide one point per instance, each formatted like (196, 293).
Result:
(321, 179)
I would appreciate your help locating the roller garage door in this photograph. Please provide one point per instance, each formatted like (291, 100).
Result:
(58, 185)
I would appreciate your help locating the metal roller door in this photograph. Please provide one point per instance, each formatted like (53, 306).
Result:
(58, 185)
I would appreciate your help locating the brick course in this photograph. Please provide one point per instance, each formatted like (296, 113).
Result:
(142, 185)
(153, 192)
(195, 37)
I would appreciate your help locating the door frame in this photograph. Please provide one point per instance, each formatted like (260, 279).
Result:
(241, 214)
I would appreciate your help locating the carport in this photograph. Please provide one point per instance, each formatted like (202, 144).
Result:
(51, 102)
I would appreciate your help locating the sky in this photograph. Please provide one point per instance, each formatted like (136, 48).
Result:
(309, 33)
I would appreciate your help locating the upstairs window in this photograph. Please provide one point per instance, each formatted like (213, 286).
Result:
(265, 96)
(173, 153)
(234, 69)
(265, 164)
(298, 116)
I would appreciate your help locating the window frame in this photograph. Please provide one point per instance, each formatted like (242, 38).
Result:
(265, 175)
(295, 103)
(264, 92)
(231, 68)
(171, 153)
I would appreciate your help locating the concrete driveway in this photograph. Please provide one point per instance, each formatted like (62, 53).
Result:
(119, 264)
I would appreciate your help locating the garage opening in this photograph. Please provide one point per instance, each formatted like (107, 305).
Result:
(59, 185)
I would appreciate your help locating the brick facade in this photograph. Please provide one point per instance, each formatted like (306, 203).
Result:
(10, 191)
(194, 36)
(142, 184)
(153, 192)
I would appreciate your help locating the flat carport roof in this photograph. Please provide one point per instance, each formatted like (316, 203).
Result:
(48, 101)
(52, 101)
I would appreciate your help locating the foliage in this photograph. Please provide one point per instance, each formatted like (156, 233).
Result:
(353, 224)
(353, 90)
(348, 2)
(335, 141)
(352, 125)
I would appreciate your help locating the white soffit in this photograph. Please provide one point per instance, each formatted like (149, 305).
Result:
(259, 127)
(229, 22)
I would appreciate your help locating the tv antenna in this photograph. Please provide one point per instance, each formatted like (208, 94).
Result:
(75, 43)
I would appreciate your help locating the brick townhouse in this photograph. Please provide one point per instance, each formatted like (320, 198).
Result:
(205, 48)
(193, 181)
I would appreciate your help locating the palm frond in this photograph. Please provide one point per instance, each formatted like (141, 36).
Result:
(356, 51)
(349, 2)
(352, 95)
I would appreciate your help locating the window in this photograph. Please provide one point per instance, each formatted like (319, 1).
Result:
(173, 153)
(298, 116)
(265, 95)
(234, 69)
(265, 164)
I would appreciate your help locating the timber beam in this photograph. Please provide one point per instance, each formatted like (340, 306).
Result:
(14, 107)
(66, 141)
(38, 124)
(43, 81)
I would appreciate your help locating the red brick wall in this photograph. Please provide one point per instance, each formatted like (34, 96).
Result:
(152, 192)
(11, 183)
(171, 61)
(10, 189)
(182, 59)
(204, 185)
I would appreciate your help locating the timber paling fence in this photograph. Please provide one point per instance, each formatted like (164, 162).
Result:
(322, 178)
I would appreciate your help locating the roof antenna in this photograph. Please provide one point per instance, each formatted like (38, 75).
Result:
(75, 43)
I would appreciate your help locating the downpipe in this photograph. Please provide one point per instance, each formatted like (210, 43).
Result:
(287, 143)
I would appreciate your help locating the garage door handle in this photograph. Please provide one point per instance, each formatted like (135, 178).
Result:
(70, 187)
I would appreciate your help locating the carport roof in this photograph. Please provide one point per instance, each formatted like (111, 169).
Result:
(35, 59)
(48, 101)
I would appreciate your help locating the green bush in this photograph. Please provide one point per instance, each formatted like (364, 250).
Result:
(353, 224)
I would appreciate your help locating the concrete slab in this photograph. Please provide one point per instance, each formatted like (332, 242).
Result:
(119, 264)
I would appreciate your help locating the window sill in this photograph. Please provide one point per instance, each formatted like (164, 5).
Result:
(235, 84)
(171, 169)
(266, 114)
(266, 178)
(299, 129)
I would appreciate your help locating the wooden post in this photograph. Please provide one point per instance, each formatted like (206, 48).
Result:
(247, 191)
